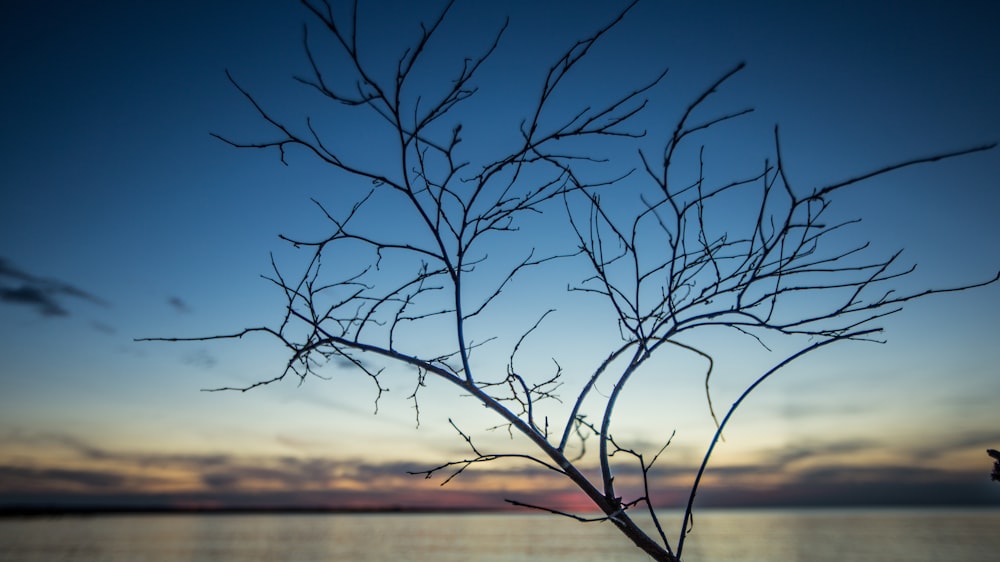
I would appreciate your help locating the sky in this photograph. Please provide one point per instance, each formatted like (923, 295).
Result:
(122, 217)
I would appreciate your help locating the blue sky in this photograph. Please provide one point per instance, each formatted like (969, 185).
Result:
(122, 218)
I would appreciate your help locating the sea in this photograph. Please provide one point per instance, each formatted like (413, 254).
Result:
(772, 535)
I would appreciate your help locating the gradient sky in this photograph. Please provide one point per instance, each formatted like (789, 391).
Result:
(121, 218)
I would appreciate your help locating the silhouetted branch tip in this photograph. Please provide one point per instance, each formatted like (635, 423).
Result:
(995, 475)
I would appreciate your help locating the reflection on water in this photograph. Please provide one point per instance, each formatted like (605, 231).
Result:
(839, 535)
(719, 536)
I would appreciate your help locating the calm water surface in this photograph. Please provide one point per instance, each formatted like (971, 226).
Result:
(719, 536)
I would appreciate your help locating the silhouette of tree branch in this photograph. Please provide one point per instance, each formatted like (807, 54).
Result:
(659, 252)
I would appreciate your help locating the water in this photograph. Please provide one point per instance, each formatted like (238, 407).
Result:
(720, 536)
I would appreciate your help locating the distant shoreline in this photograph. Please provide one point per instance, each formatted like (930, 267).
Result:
(55, 511)
(26, 511)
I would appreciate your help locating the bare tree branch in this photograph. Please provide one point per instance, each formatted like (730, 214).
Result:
(661, 258)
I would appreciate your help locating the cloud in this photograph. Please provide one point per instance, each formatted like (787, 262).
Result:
(888, 485)
(220, 481)
(25, 478)
(981, 440)
(32, 296)
(103, 477)
(93, 473)
(200, 358)
(791, 454)
(44, 295)
(103, 328)
(179, 305)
